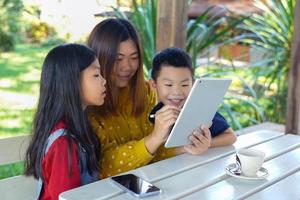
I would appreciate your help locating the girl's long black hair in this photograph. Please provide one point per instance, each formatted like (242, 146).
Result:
(60, 100)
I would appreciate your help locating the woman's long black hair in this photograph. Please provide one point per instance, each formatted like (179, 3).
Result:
(105, 40)
(60, 100)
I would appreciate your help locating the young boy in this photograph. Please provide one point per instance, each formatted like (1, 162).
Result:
(172, 78)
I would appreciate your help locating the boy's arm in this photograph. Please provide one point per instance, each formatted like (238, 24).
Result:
(227, 137)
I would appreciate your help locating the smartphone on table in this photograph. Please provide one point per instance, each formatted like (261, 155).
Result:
(135, 185)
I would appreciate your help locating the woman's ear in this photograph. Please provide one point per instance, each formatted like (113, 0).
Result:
(152, 84)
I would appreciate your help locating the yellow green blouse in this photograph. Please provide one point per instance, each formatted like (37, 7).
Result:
(122, 137)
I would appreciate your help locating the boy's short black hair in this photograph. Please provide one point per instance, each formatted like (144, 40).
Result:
(173, 56)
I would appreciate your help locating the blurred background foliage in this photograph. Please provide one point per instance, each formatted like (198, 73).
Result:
(10, 12)
(21, 23)
(259, 89)
(271, 35)
(253, 50)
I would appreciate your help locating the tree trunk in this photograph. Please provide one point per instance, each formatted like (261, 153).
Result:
(293, 101)
(171, 23)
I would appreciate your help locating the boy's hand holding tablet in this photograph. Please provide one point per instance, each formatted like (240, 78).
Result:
(201, 141)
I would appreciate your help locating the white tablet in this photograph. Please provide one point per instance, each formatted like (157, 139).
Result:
(200, 107)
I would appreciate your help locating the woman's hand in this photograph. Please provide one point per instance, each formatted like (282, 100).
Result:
(164, 119)
(201, 141)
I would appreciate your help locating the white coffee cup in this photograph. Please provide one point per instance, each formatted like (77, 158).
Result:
(250, 161)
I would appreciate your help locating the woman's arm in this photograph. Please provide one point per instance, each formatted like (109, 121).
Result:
(123, 157)
(118, 157)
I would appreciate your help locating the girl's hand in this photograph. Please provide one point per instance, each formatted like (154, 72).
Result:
(201, 141)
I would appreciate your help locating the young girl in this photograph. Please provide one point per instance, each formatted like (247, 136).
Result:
(64, 152)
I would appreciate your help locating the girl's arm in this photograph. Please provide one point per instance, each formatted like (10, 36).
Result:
(58, 177)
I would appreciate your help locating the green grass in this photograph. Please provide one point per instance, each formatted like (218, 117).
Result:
(19, 84)
(15, 121)
(19, 89)
(11, 170)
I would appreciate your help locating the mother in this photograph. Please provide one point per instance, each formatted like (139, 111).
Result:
(128, 139)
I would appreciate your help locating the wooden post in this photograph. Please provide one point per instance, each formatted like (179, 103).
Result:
(293, 101)
(171, 23)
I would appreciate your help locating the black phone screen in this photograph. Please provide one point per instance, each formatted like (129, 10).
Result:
(136, 184)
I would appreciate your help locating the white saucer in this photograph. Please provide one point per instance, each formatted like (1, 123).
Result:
(261, 174)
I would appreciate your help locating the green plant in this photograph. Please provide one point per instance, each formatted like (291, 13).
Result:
(210, 31)
(9, 23)
(6, 41)
(39, 32)
(241, 106)
(271, 34)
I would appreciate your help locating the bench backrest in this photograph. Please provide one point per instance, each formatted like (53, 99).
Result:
(13, 149)
(18, 187)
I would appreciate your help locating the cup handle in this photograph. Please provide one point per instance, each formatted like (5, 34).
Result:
(238, 162)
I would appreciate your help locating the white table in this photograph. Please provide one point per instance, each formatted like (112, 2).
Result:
(203, 177)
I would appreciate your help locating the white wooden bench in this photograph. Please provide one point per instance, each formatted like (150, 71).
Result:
(18, 187)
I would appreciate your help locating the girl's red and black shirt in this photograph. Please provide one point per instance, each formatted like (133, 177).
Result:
(55, 166)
